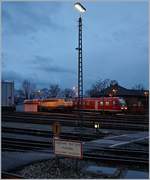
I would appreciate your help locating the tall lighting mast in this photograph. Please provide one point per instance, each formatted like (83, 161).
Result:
(81, 10)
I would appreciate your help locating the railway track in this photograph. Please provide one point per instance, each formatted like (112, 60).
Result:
(112, 122)
(49, 134)
(117, 159)
(125, 122)
(111, 155)
(8, 175)
(86, 114)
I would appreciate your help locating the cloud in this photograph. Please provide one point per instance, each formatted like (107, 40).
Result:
(57, 69)
(12, 75)
(28, 17)
(42, 60)
(18, 78)
(53, 68)
(46, 64)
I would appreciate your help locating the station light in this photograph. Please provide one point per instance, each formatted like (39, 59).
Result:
(79, 7)
(96, 125)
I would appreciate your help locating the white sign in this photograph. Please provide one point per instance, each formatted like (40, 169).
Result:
(68, 148)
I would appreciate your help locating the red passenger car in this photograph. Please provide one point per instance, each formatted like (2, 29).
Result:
(108, 104)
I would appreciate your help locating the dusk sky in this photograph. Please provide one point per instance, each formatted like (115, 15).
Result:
(39, 41)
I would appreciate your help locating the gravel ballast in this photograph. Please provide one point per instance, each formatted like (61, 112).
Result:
(62, 168)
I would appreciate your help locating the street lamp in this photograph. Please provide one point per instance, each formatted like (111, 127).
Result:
(114, 91)
(80, 8)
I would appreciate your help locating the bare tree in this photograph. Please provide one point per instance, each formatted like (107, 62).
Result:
(54, 90)
(98, 87)
(138, 87)
(114, 83)
(28, 87)
(68, 93)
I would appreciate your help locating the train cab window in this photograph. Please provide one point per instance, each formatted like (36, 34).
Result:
(122, 102)
(107, 103)
(101, 103)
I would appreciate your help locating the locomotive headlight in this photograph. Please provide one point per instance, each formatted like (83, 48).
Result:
(122, 108)
(126, 108)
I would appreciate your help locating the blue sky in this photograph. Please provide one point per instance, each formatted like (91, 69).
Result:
(39, 41)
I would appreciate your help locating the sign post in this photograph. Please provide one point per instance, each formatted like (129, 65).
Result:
(56, 129)
(64, 147)
(68, 148)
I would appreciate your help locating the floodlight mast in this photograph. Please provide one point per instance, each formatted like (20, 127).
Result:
(80, 8)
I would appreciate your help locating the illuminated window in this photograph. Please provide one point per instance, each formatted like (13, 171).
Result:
(114, 102)
(107, 103)
(101, 103)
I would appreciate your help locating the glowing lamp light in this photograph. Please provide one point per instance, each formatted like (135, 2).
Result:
(79, 7)
(146, 93)
(96, 125)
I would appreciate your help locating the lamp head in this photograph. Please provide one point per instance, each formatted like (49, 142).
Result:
(79, 7)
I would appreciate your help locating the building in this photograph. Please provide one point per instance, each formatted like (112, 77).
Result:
(137, 100)
(7, 95)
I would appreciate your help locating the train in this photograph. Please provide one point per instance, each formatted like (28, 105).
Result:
(102, 104)
(107, 104)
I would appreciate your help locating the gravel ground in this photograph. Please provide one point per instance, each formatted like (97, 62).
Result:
(68, 169)
(64, 168)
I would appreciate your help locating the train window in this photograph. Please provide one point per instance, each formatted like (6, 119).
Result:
(101, 103)
(107, 103)
(114, 102)
(75, 103)
(87, 103)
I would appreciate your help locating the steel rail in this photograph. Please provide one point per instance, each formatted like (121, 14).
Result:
(8, 175)
(103, 124)
(108, 155)
(137, 118)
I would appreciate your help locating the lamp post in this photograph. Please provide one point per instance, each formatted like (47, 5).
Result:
(81, 9)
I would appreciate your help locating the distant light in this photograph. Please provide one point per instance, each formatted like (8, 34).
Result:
(96, 125)
(145, 93)
(79, 7)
